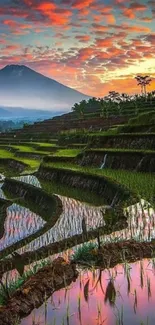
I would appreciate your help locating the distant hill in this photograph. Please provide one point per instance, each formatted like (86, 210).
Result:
(19, 113)
(4, 113)
(21, 86)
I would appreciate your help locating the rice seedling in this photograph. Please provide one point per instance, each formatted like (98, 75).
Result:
(86, 252)
(148, 287)
(141, 183)
(119, 316)
(145, 323)
(135, 300)
(75, 193)
(67, 153)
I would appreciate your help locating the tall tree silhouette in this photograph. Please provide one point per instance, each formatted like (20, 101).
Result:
(143, 82)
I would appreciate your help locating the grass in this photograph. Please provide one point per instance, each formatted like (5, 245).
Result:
(67, 153)
(29, 149)
(86, 252)
(6, 154)
(32, 164)
(117, 150)
(44, 144)
(142, 184)
(75, 193)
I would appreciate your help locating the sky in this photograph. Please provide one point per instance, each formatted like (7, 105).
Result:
(94, 46)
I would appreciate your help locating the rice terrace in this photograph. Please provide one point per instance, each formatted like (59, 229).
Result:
(77, 162)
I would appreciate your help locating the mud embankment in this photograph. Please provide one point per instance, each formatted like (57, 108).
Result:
(4, 204)
(113, 223)
(126, 141)
(111, 254)
(32, 293)
(59, 159)
(30, 155)
(13, 164)
(136, 161)
(113, 192)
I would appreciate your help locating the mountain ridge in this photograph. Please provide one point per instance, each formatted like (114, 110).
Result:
(27, 88)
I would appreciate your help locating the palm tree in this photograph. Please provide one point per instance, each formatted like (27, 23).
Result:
(79, 108)
(104, 106)
(143, 81)
(114, 99)
(75, 108)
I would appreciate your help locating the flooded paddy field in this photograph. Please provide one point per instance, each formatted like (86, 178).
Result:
(76, 247)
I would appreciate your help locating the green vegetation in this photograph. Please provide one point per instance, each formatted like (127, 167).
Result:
(67, 153)
(75, 193)
(141, 183)
(146, 118)
(137, 114)
(117, 150)
(32, 164)
(86, 253)
(115, 104)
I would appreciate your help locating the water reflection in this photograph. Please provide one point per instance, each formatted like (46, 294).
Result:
(2, 195)
(70, 223)
(20, 223)
(141, 224)
(106, 297)
(29, 179)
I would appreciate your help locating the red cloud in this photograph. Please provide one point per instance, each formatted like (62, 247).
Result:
(83, 38)
(129, 13)
(46, 7)
(105, 42)
(56, 15)
(80, 4)
(14, 24)
(100, 27)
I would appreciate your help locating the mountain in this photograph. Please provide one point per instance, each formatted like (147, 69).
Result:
(21, 86)
(19, 113)
(4, 112)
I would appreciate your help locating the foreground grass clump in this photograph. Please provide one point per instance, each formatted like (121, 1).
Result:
(143, 184)
(86, 253)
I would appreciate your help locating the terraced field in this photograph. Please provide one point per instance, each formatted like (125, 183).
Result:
(89, 198)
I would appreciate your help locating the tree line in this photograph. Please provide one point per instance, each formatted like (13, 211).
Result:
(116, 103)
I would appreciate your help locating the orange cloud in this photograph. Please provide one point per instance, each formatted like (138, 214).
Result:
(105, 42)
(83, 38)
(99, 27)
(56, 15)
(46, 7)
(110, 19)
(80, 4)
(15, 24)
(129, 13)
